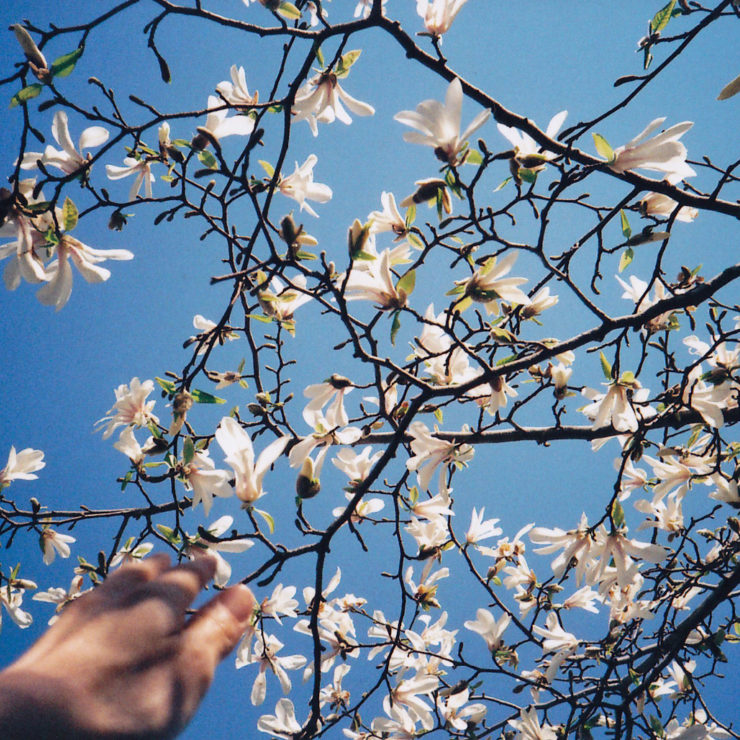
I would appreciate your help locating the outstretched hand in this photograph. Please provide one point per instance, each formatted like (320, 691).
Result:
(123, 661)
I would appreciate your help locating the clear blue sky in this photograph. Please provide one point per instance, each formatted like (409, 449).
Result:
(59, 369)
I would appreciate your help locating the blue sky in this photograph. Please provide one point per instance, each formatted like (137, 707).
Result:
(536, 58)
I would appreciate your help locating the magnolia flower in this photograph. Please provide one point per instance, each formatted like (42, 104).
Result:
(236, 91)
(280, 301)
(69, 160)
(333, 694)
(205, 327)
(52, 543)
(663, 153)
(283, 723)
(480, 529)
(617, 405)
(374, 281)
(389, 219)
(237, 445)
(335, 387)
(59, 272)
(657, 204)
(438, 14)
(431, 453)
(556, 639)
(356, 466)
(131, 407)
(438, 124)
(130, 553)
(280, 603)
(528, 727)
(128, 445)
(487, 284)
(365, 508)
(201, 477)
(300, 186)
(12, 598)
(219, 126)
(141, 168)
(60, 596)
(490, 629)
(320, 101)
(21, 466)
(454, 710)
(527, 151)
(406, 694)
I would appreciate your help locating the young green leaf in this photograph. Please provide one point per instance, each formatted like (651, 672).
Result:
(617, 514)
(605, 366)
(395, 326)
(268, 168)
(166, 385)
(474, 157)
(626, 228)
(268, 519)
(188, 451)
(626, 257)
(347, 60)
(529, 176)
(27, 93)
(69, 214)
(64, 65)
(289, 11)
(661, 18)
(603, 147)
(203, 397)
(208, 159)
(407, 283)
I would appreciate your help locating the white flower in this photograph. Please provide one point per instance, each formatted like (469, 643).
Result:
(334, 694)
(356, 466)
(389, 219)
(320, 101)
(201, 477)
(374, 281)
(555, 637)
(21, 466)
(300, 186)
(52, 543)
(128, 445)
(335, 387)
(438, 14)
(130, 408)
(527, 151)
(142, 169)
(69, 160)
(59, 272)
(490, 629)
(130, 554)
(454, 711)
(280, 603)
(60, 597)
(663, 153)
(281, 301)
(528, 727)
(657, 204)
(487, 285)
(283, 723)
(430, 453)
(438, 124)
(480, 529)
(618, 407)
(12, 598)
(219, 126)
(236, 91)
(237, 445)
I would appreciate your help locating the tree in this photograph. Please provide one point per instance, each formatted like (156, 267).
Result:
(432, 342)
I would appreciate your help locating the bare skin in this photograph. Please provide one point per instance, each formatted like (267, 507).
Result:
(122, 661)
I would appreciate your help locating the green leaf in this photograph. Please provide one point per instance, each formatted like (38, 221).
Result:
(69, 214)
(268, 519)
(347, 60)
(626, 258)
(647, 58)
(407, 283)
(320, 57)
(166, 385)
(410, 215)
(646, 236)
(27, 93)
(413, 495)
(606, 367)
(730, 89)
(395, 326)
(127, 479)
(617, 514)
(626, 228)
(64, 65)
(661, 18)
(529, 176)
(506, 360)
(502, 185)
(188, 451)
(268, 168)
(474, 157)
(603, 147)
(438, 415)
(288, 10)
(203, 397)
(169, 534)
(208, 159)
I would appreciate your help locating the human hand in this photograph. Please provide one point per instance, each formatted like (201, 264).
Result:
(122, 661)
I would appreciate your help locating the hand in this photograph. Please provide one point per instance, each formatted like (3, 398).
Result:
(122, 661)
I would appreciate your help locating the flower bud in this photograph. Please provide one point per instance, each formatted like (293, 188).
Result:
(32, 52)
(306, 486)
(357, 237)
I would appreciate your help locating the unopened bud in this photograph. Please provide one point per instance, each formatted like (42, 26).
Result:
(117, 221)
(357, 237)
(306, 486)
(32, 52)
(339, 381)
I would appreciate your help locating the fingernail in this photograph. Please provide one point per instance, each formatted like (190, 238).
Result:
(239, 601)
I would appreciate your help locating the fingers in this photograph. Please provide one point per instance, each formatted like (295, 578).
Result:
(217, 627)
(179, 586)
(134, 574)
